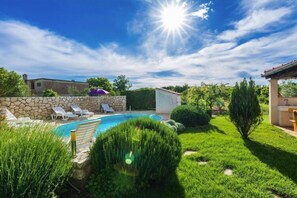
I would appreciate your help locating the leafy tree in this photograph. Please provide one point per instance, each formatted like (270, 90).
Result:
(121, 83)
(288, 89)
(50, 93)
(207, 95)
(245, 111)
(12, 84)
(99, 82)
(263, 93)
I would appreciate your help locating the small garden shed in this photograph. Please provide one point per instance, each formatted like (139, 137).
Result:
(166, 100)
(279, 106)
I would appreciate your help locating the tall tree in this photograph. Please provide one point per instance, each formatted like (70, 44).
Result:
(244, 108)
(12, 84)
(121, 83)
(100, 82)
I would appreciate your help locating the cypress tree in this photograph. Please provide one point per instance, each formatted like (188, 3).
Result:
(244, 108)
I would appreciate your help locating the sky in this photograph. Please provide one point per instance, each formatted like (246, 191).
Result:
(154, 43)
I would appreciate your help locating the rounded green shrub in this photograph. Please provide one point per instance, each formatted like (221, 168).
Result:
(190, 116)
(33, 162)
(49, 93)
(141, 148)
(180, 127)
(175, 126)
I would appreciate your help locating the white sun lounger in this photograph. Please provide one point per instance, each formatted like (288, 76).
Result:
(106, 108)
(60, 112)
(85, 135)
(78, 111)
(18, 122)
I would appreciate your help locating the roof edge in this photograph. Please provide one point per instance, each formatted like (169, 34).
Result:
(169, 91)
(280, 68)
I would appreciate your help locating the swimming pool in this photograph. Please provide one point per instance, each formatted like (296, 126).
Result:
(106, 123)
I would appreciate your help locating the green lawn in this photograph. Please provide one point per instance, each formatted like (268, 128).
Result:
(263, 166)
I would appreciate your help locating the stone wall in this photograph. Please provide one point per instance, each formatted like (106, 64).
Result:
(41, 107)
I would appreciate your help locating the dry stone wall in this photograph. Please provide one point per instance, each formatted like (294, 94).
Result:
(41, 107)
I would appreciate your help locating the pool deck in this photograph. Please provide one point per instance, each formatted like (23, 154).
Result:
(59, 121)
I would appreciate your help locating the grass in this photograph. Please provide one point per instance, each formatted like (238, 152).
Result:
(264, 166)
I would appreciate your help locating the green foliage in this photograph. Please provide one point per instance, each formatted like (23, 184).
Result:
(99, 82)
(288, 89)
(177, 88)
(207, 96)
(141, 99)
(175, 126)
(73, 91)
(264, 109)
(110, 183)
(49, 93)
(262, 92)
(190, 116)
(127, 150)
(12, 84)
(244, 108)
(33, 162)
(121, 83)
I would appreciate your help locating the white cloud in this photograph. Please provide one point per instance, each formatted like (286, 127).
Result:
(257, 21)
(42, 53)
(203, 11)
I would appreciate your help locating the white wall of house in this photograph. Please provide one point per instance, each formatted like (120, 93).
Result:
(166, 100)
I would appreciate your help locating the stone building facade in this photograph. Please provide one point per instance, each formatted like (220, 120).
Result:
(62, 87)
(41, 107)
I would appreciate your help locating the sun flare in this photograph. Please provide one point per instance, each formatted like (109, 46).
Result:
(173, 17)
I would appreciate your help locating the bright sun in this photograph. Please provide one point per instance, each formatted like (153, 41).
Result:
(173, 17)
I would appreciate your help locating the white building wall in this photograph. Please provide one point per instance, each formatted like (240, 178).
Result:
(166, 100)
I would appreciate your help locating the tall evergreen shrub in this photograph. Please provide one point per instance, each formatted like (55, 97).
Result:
(245, 111)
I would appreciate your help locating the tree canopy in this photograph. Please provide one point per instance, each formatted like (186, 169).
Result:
(207, 95)
(100, 82)
(177, 88)
(121, 83)
(12, 84)
(288, 88)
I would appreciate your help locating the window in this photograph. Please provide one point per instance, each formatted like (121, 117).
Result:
(38, 84)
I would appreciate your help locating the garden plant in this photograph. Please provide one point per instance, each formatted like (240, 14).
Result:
(33, 162)
(124, 158)
(244, 108)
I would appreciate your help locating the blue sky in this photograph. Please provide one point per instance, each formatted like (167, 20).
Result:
(215, 41)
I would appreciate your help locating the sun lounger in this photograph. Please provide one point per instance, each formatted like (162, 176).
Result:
(78, 111)
(106, 108)
(17, 122)
(84, 134)
(60, 112)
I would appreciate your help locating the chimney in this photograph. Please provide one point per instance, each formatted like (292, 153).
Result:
(25, 77)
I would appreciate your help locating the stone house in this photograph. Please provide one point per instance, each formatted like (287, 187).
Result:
(62, 87)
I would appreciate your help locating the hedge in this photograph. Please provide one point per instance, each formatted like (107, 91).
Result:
(141, 99)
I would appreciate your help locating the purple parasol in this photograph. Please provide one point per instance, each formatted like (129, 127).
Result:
(97, 92)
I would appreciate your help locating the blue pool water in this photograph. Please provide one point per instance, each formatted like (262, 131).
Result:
(106, 123)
